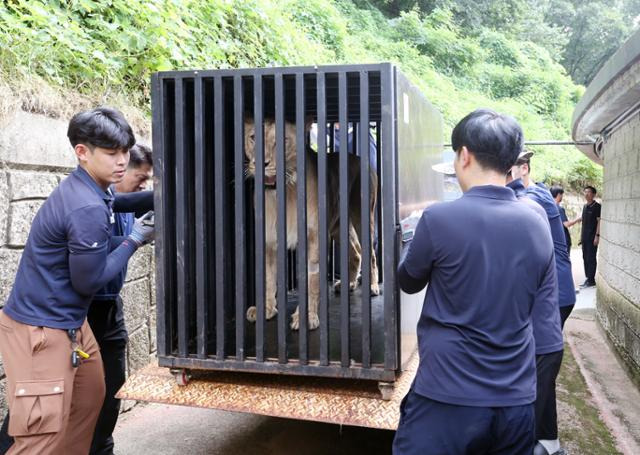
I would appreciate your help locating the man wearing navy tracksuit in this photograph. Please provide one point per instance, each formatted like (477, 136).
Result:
(488, 260)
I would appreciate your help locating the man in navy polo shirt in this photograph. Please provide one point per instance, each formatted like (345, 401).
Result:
(548, 358)
(106, 312)
(55, 383)
(539, 193)
(488, 260)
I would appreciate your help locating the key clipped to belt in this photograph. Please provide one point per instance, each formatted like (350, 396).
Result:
(76, 352)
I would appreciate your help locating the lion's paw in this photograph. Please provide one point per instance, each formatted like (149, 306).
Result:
(295, 321)
(313, 319)
(375, 289)
(271, 311)
(252, 313)
(352, 286)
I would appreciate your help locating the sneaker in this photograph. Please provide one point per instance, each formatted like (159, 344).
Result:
(588, 284)
(540, 450)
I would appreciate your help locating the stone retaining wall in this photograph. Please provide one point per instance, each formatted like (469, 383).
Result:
(619, 252)
(609, 112)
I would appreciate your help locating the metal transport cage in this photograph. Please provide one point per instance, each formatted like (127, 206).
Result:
(368, 132)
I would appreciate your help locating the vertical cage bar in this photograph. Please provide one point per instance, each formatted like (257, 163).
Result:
(301, 165)
(240, 253)
(344, 219)
(323, 241)
(365, 218)
(281, 224)
(379, 199)
(221, 248)
(161, 194)
(259, 215)
(387, 173)
(201, 244)
(182, 221)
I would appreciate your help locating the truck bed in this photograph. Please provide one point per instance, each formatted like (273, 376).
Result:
(339, 401)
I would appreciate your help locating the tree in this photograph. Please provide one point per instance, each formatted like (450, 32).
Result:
(595, 30)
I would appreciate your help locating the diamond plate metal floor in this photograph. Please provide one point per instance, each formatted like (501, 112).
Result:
(339, 401)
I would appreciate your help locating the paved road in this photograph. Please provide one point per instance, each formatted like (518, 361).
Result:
(175, 430)
(586, 298)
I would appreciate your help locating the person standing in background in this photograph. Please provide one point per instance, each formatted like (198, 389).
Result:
(590, 236)
(558, 193)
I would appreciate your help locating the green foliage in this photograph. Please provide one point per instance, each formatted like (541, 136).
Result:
(462, 54)
(437, 37)
(321, 23)
(119, 43)
(501, 50)
(596, 29)
(582, 33)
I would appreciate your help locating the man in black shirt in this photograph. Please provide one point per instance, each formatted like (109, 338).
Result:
(590, 237)
(558, 193)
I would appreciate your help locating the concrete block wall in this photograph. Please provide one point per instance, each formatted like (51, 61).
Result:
(34, 156)
(618, 300)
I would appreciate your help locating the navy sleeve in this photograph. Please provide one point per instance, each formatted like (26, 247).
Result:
(414, 271)
(91, 272)
(545, 316)
(139, 202)
(91, 265)
(89, 230)
(116, 240)
(597, 210)
(563, 214)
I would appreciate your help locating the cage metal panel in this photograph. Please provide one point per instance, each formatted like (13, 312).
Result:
(213, 252)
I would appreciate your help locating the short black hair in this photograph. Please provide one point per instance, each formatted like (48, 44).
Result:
(589, 187)
(103, 127)
(139, 155)
(555, 190)
(495, 139)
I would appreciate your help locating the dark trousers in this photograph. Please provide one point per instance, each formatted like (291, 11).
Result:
(6, 441)
(547, 369)
(565, 311)
(589, 254)
(435, 428)
(114, 359)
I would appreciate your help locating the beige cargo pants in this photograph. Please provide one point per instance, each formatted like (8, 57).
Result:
(53, 406)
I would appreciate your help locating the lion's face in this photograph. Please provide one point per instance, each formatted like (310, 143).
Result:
(270, 158)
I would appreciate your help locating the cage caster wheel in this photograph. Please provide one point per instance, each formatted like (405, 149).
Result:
(182, 376)
(386, 390)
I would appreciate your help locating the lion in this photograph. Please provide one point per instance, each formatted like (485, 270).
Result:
(271, 214)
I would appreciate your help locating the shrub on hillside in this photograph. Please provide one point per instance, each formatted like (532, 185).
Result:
(437, 37)
(321, 22)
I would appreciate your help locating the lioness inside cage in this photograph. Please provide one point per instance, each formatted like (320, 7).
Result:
(271, 214)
